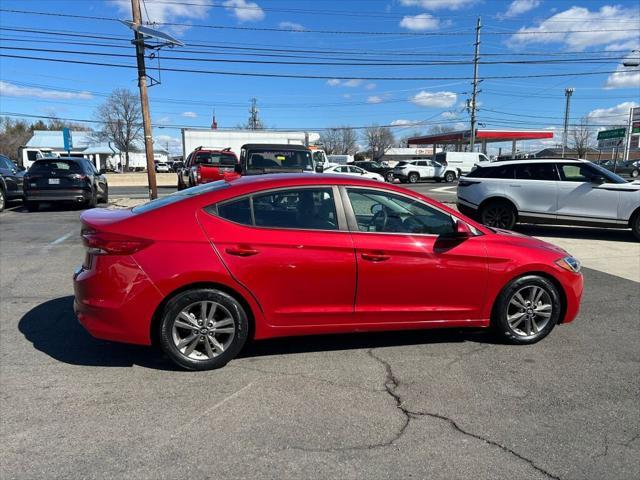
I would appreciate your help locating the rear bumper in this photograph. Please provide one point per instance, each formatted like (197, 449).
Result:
(115, 300)
(466, 208)
(62, 195)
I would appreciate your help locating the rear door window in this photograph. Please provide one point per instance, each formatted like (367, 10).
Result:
(58, 167)
(238, 211)
(308, 208)
(536, 171)
(502, 171)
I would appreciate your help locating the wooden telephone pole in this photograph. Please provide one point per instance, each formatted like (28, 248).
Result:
(144, 100)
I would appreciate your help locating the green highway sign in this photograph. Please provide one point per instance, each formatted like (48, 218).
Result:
(615, 133)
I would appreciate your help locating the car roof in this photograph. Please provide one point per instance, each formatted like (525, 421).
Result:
(212, 150)
(275, 180)
(533, 160)
(57, 159)
(273, 146)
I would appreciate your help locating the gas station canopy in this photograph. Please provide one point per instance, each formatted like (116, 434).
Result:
(462, 138)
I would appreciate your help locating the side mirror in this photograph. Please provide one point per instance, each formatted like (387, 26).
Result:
(463, 230)
(237, 168)
(319, 168)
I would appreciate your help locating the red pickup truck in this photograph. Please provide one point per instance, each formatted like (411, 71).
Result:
(204, 166)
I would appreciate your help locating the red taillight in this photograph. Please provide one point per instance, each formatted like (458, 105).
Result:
(105, 243)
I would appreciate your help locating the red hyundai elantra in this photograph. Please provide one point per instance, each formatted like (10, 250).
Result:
(202, 270)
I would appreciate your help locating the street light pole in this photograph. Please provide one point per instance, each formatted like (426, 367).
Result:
(144, 100)
(567, 92)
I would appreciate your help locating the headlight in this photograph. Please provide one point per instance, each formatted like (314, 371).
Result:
(569, 263)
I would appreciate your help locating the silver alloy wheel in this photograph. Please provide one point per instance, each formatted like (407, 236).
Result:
(203, 330)
(529, 311)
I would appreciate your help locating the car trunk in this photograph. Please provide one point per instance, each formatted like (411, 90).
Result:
(56, 174)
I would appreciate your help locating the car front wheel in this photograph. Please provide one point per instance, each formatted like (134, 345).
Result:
(499, 214)
(526, 310)
(449, 177)
(203, 329)
(635, 173)
(635, 226)
(2, 200)
(389, 177)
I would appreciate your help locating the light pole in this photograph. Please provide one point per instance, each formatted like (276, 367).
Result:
(567, 92)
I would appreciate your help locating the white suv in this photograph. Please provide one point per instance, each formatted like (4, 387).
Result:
(413, 171)
(553, 191)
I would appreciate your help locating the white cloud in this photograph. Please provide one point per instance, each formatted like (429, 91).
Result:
(438, 4)
(245, 11)
(581, 28)
(334, 82)
(623, 77)
(11, 90)
(435, 99)
(403, 123)
(346, 95)
(174, 144)
(163, 120)
(374, 99)
(420, 23)
(370, 86)
(612, 116)
(168, 12)
(449, 115)
(629, 45)
(190, 114)
(291, 26)
(352, 83)
(518, 7)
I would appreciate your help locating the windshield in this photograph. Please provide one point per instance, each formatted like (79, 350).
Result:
(293, 159)
(180, 195)
(608, 174)
(208, 158)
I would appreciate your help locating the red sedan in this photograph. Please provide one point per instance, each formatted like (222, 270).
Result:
(202, 270)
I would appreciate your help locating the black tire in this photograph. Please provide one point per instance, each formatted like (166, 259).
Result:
(3, 200)
(449, 177)
(635, 225)
(183, 301)
(32, 206)
(414, 177)
(93, 201)
(524, 333)
(499, 214)
(634, 173)
(389, 177)
(105, 197)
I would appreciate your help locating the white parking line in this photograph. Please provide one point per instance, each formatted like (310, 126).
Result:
(450, 189)
(58, 241)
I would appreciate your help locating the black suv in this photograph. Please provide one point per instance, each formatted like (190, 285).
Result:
(375, 167)
(10, 181)
(258, 159)
(64, 180)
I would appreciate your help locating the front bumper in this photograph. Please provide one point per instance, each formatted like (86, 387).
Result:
(573, 286)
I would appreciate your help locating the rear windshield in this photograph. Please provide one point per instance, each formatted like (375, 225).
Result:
(60, 167)
(179, 196)
(293, 159)
(207, 158)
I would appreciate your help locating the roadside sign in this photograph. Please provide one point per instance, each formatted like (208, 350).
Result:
(68, 141)
(635, 128)
(615, 133)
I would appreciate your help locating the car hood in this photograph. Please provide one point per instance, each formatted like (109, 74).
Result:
(515, 238)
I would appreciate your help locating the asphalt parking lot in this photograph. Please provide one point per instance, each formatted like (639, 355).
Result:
(433, 404)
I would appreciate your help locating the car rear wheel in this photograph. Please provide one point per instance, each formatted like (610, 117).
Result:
(389, 177)
(105, 197)
(203, 329)
(499, 214)
(449, 177)
(526, 310)
(93, 201)
(635, 173)
(414, 177)
(2, 200)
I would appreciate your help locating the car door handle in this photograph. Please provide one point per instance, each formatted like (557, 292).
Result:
(242, 251)
(375, 257)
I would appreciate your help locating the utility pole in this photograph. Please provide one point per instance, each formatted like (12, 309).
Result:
(144, 100)
(567, 92)
(476, 58)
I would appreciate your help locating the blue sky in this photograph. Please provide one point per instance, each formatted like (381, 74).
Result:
(593, 37)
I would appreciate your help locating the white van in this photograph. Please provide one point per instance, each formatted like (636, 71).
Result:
(462, 162)
(27, 155)
(340, 159)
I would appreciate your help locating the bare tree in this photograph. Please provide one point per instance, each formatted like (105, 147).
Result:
(582, 137)
(378, 140)
(121, 121)
(339, 141)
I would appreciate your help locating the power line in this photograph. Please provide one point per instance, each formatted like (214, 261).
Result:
(325, 32)
(311, 77)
